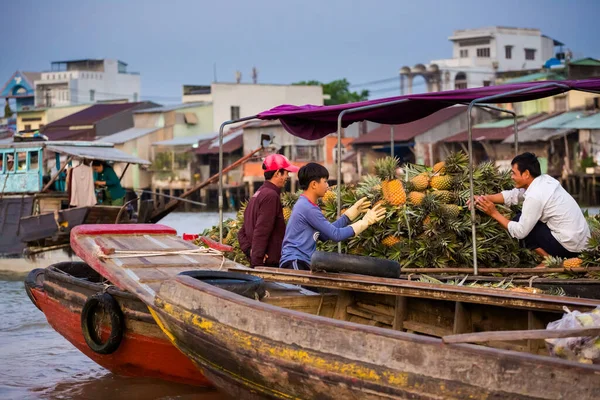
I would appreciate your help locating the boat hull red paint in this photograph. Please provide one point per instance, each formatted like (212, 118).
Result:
(144, 351)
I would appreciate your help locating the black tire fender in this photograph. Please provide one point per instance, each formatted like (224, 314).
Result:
(249, 286)
(117, 323)
(34, 280)
(361, 265)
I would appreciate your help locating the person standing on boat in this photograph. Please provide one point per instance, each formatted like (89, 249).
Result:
(551, 222)
(105, 177)
(307, 223)
(262, 233)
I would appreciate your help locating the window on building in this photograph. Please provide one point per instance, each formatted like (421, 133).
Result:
(560, 103)
(34, 161)
(483, 52)
(235, 112)
(92, 95)
(464, 53)
(190, 118)
(308, 153)
(460, 81)
(508, 52)
(487, 83)
(27, 127)
(530, 54)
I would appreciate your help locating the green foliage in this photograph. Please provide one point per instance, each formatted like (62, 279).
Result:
(339, 91)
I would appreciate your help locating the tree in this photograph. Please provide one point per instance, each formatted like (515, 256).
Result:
(7, 111)
(339, 91)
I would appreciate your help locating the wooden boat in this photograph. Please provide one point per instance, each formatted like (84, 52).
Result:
(255, 350)
(371, 338)
(61, 292)
(35, 213)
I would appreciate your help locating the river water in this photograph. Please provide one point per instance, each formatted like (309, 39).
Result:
(38, 363)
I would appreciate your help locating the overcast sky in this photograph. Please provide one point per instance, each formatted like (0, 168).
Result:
(172, 42)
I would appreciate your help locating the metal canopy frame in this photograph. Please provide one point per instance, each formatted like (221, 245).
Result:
(479, 103)
(470, 147)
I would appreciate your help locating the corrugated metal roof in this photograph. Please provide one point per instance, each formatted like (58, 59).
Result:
(501, 123)
(538, 135)
(231, 142)
(97, 153)
(498, 133)
(405, 132)
(95, 113)
(536, 77)
(558, 121)
(589, 122)
(592, 62)
(127, 135)
(173, 107)
(186, 140)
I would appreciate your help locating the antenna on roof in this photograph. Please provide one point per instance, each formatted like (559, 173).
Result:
(214, 72)
(254, 75)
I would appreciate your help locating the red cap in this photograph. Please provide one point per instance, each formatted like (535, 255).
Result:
(275, 162)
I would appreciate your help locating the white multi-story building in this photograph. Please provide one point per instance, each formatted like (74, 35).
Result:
(86, 81)
(478, 55)
(238, 100)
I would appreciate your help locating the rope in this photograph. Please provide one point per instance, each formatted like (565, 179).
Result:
(155, 253)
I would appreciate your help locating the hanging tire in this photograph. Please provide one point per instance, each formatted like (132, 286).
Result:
(34, 280)
(110, 306)
(248, 286)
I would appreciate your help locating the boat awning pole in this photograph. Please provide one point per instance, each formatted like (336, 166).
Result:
(339, 144)
(223, 125)
(55, 177)
(470, 147)
(511, 112)
(123, 173)
(392, 141)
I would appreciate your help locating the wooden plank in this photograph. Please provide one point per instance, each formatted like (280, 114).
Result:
(427, 329)
(343, 301)
(520, 335)
(377, 308)
(483, 271)
(423, 290)
(369, 315)
(534, 323)
(400, 312)
(462, 319)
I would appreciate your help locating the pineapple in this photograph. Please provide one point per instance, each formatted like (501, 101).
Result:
(441, 182)
(427, 221)
(439, 168)
(443, 196)
(369, 187)
(553, 262)
(390, 241)
(450, 210)
(572, 262)
(416, 198)
(287, 213)
(420, 182)
(330, 196)
(357, 251)
(455, 163)
(288, 200)
(393, 190)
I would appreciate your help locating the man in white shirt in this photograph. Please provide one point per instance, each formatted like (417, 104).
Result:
(551, 222)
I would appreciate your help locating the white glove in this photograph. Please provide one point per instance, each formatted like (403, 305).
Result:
(372, 216)
(361, 206)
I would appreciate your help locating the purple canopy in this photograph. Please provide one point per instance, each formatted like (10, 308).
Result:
(314, 122)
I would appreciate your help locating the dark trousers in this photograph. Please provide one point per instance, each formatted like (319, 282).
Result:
(296, 264)
(541, 237)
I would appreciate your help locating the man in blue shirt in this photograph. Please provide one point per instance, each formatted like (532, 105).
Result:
(307, 223)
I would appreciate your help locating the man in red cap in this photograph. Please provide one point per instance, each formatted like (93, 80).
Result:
(262, 234)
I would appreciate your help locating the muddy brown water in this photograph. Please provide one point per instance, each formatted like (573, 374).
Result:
(38, 363)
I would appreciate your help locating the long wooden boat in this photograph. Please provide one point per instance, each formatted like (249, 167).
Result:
(255, 350)
(61, 292)
(370, 338)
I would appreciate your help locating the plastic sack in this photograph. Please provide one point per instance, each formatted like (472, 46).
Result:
(584, 349)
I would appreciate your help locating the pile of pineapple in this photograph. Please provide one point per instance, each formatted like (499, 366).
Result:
(428, 223)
